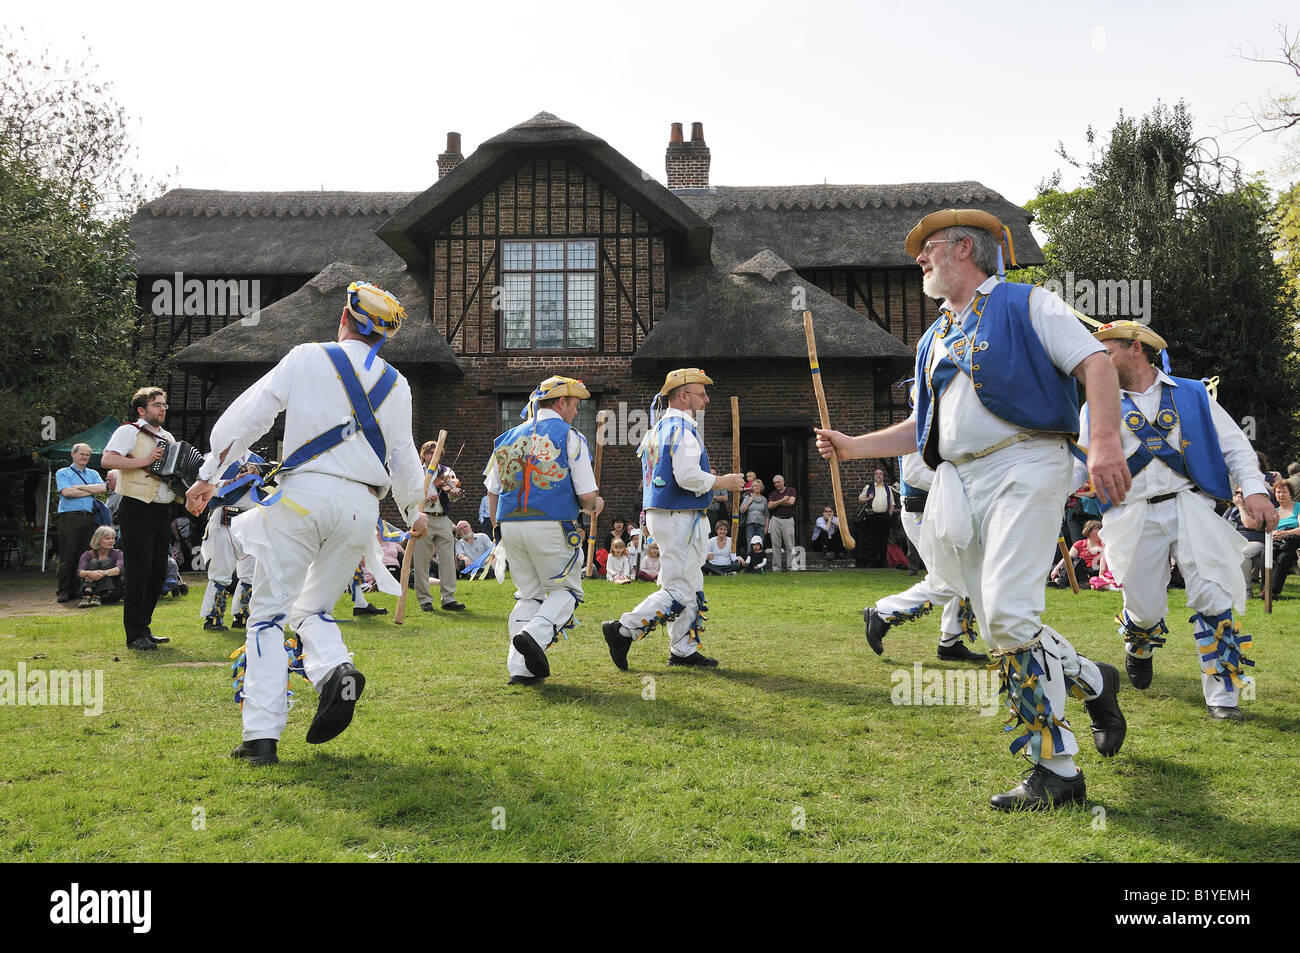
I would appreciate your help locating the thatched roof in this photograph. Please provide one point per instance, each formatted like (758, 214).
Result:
(211, 232)
(411, 230)
(312, 314)
(843, 226)
(746, 312)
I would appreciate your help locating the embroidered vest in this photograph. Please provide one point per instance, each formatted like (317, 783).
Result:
(1010, 370)
(533, 463)
(1198, 456)
(659, 487)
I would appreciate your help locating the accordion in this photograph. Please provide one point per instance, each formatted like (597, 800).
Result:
(179, 464)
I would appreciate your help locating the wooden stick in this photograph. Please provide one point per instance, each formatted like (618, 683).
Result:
(1268, 574)
(400, 615)
(1069, 563)
(595, 469)
(735, 468)
(845, 535)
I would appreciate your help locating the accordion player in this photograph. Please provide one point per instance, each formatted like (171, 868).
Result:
(178, 465)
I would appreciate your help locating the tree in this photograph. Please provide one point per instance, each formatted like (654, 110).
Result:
(1160, 206)
(1277, 113)
(67, 279)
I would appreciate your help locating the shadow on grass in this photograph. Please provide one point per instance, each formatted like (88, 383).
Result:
(823, 690)
(1173, 804)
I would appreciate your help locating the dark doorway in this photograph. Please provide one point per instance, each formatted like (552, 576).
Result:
(784, 450)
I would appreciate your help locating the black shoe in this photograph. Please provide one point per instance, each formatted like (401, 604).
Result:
(158, 639)
(426, 606)
(210, 626)
(259, 751)
(338, 697)
(142, 644)
(1041, 791)
(1108, 724)
(63, 598)
(1139, 670)
(525, 679)
(618, 643)
(876, 629)
(369, 610)
(694, 660)
(534, 655)
(958, 652)
(453, 606)
(183, 589)
(1225, 713)
(239, 622)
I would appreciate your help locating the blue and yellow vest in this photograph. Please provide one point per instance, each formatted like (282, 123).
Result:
(533, 464)
(1199, 450)
(659, 488)
(1013, 376)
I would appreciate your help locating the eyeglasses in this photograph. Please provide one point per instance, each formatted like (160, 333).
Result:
(159, 403)
(928, 247)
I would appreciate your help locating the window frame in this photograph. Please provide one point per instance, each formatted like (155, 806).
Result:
(521, 397)
(532, 271)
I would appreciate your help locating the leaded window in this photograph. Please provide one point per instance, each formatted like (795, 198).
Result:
(550, 295)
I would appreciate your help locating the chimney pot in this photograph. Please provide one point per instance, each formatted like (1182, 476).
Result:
(676, 134)
(697, 132)
(452, 157)
(453, 142)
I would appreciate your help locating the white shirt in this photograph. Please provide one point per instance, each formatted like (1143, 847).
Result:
(915, 473)
(618, 566)
(686, 458)
(823, 528)
(123, 442)
(584, 479)
(305, 385)
(1157, 479)
(965, 426)
(719, 551)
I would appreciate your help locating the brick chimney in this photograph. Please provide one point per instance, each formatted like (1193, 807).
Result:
(687, 163)
(452, 157)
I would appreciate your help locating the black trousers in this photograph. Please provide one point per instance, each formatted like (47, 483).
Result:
(145, 539)
(75, 530)
(876, 543)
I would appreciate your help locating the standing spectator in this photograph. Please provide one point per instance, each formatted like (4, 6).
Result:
(444, 489)
(718, 560)
(649, 570)
(753, 511)
(144, 513)
(484, 515)
(780, 508)
(469, 545)
(826, 534)
(78, 485)
(100, 569)
(879, 507)
(618, 567)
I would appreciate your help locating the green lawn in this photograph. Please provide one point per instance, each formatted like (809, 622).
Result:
(790, 750)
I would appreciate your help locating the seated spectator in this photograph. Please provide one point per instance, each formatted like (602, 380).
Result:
(1087, 555)
(618, 530)
(1079, 509)
(183, 540)
(1252, 556)
(100, 570)
(718, 558)
(1286, 537)
(649, 570)
(173, 584)
(826, 534)
(469, 544)
(753, 510)
(755, 559)
(618, 566)
(393, 552)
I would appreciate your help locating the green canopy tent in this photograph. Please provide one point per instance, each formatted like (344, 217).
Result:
(60, 454)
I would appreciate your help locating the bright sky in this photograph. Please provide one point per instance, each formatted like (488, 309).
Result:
(275, 95)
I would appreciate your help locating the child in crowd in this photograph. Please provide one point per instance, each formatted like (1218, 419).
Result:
(618, 567)
(649, 570)
(756, 559)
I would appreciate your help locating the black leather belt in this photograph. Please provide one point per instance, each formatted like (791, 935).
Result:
(1164, 497)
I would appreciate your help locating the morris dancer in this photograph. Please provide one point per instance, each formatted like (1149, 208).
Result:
(309, 537)
(223, 556)
(538, 480)
(1000, 356)
(677, 487)
(958, 617)
(1181, 446)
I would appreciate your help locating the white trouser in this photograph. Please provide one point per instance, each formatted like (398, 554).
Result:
(440, 535)
(547, 573)
(1015, 497)
(304, 562)
(1146, 584)
(782, 533)
(224, 558)
(683, 536)
(934, 592)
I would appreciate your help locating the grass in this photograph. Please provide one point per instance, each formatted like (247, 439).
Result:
(719, 765)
